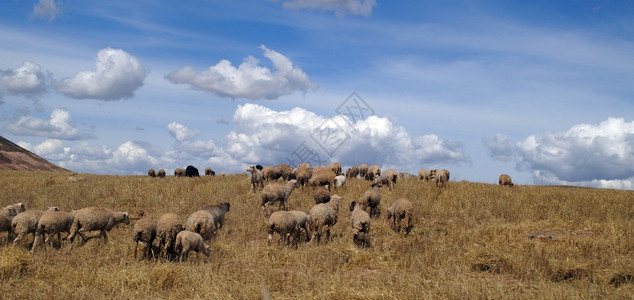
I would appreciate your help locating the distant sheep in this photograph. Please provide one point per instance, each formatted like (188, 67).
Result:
(323, 217)
(52, 224)
(257, 179)
(190, 241)
(335, 167)
(303, 176)
(145, 232)
(96, 218)
(151, 173)
(26, 222)
(321, 194)
(191, 171)
(202, 222)
(285, 224)
(168, 226)
(161, 173)
(363, 170)
(505, 179)
(283, 171)
(401, 210)
(440, 176)
(424, 175)
(209, 172)
(218, 211)
(179, 172)
(322, 177)
(389, 178)
(360, 222)
(339, 181)
(352, 172)
(371, 199)
(277, 192)
(374, 171)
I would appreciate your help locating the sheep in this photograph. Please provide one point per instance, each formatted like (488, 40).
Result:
(145, 232)
(209, 172)
(218, 211)
(274, 192)
(440, 176)
(424, 175)
(285, 224)
(190, 241)
(339, 181)
(374, 171)
(179, 172)
(191, 171)
(360, 222)
(352, 172)
(302, 222)
(257, 180)
(389, 178)
(168, 226)
(6, 215)
(335, 167)
(96, 218)
(505, 179)
(322, 217)
(267, 172)
(405, 175)
(202, 222)
(321, 194)
(363, 170)
(371, 199)
(400, 210)
(151, 173)
(26, 222)
(283, 171)
(53, 223)
(303, 176)
(161, 173)
(321, 177)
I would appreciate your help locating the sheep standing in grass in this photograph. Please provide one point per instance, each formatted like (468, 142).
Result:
(209, 172)
(423, 175)
(202, 222)
(218, 211)
(96, 218)
(323, 217)
(6, 216)
(363, 170)
(321, 177)
(302, 222)
(440, 176)
(26, 222)
(161, 173)
(168, 226)
(285, 224)
(145, 232)
(401, 210)
(389, 178)
(335, 167)
(505, 179)
(352, 172)
(274, 192)
(257, 179)
(51, 224)
(321, 194)
(360, 221)
(179, 172)
(303, 175)
(371, 199)
(190, 241)
(339, 181)
(151, 173)
(374, 171)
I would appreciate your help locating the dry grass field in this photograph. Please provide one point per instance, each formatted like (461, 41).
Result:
(469, 241)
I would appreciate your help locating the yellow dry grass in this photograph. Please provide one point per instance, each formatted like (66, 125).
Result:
(469, 241)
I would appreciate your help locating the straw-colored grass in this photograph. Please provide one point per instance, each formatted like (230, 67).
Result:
(469, 241)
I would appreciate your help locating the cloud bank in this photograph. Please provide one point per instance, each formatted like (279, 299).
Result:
(248, 80)
(59, 126)
(340, 7)
(27, 81)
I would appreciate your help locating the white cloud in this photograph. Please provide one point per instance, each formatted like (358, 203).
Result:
(60, 126)
(47, 9)
(499, 147)
(180, 132)
(27, 80)
(248, 80)
(117, 76)
(133, 156)
(341, 7)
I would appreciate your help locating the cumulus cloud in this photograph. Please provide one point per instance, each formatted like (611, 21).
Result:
(499, 147)
(248, 80)
(47, 9)
(59, 126)
(340, 7)
(117, 75)
(180, 132)
(27, 80)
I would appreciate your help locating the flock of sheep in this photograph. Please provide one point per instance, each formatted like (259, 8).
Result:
(174, 240)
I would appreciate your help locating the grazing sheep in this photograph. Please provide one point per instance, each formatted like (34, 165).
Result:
(321, 177)
(179, 172)
(6, 215)
(303, 176)
(339, 181)
(363, 170)
(374, 171)
(168, 226)
(322, 217)
(202, 222)
(440, 176)
(405, 175)
(389, 178)
(273, 173)
(321, 194)
(424, 175)
(26, 222)
(161, 173)
(352, 172)
(209, 172)
(53, 223)
(302, 222)
(218, 211)
(274, 192)
(371, 199)
(191, 171)
(400, 210)
(285, 224)
(145, 232)
(505, 179)
(190, 241)
(335, 167)
(360, 221)
(96, 218)
(151, 173)
(257, 179)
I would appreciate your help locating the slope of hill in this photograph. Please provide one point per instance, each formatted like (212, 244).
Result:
(14, 157)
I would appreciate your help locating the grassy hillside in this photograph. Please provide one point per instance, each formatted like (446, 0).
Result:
(470, 240)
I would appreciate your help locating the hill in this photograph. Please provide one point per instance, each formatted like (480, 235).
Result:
(14, 157)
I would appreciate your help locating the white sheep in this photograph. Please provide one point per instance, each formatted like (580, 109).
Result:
(324, 216)
(218, 211)
(190, 241)
(303, 221)
(96, 218)
(202, 222)
(401, 210)
(26, 222)
(168, 226)
(257, 179)
(360, 222)
(53, 223)
(285, 224)
(339, 181)
(145, 232)
(274, 192)
(424, 175)
(371, 199)
(440, 176)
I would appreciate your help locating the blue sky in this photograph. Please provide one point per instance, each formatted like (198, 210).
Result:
(541, 90)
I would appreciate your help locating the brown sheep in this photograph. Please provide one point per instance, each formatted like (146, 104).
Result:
(352, 172)
(274, 192)
(389, 178)
(363, 170)
(423, 175)
(321, 194)
(400, 210)
(145, 232)
(505, 179)
(371, 199)
(257, 179)
(322, 177)
(151, 173)
(335, 167)
(374, 171)
(440, 176)
(161, 173)
(167, 227)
